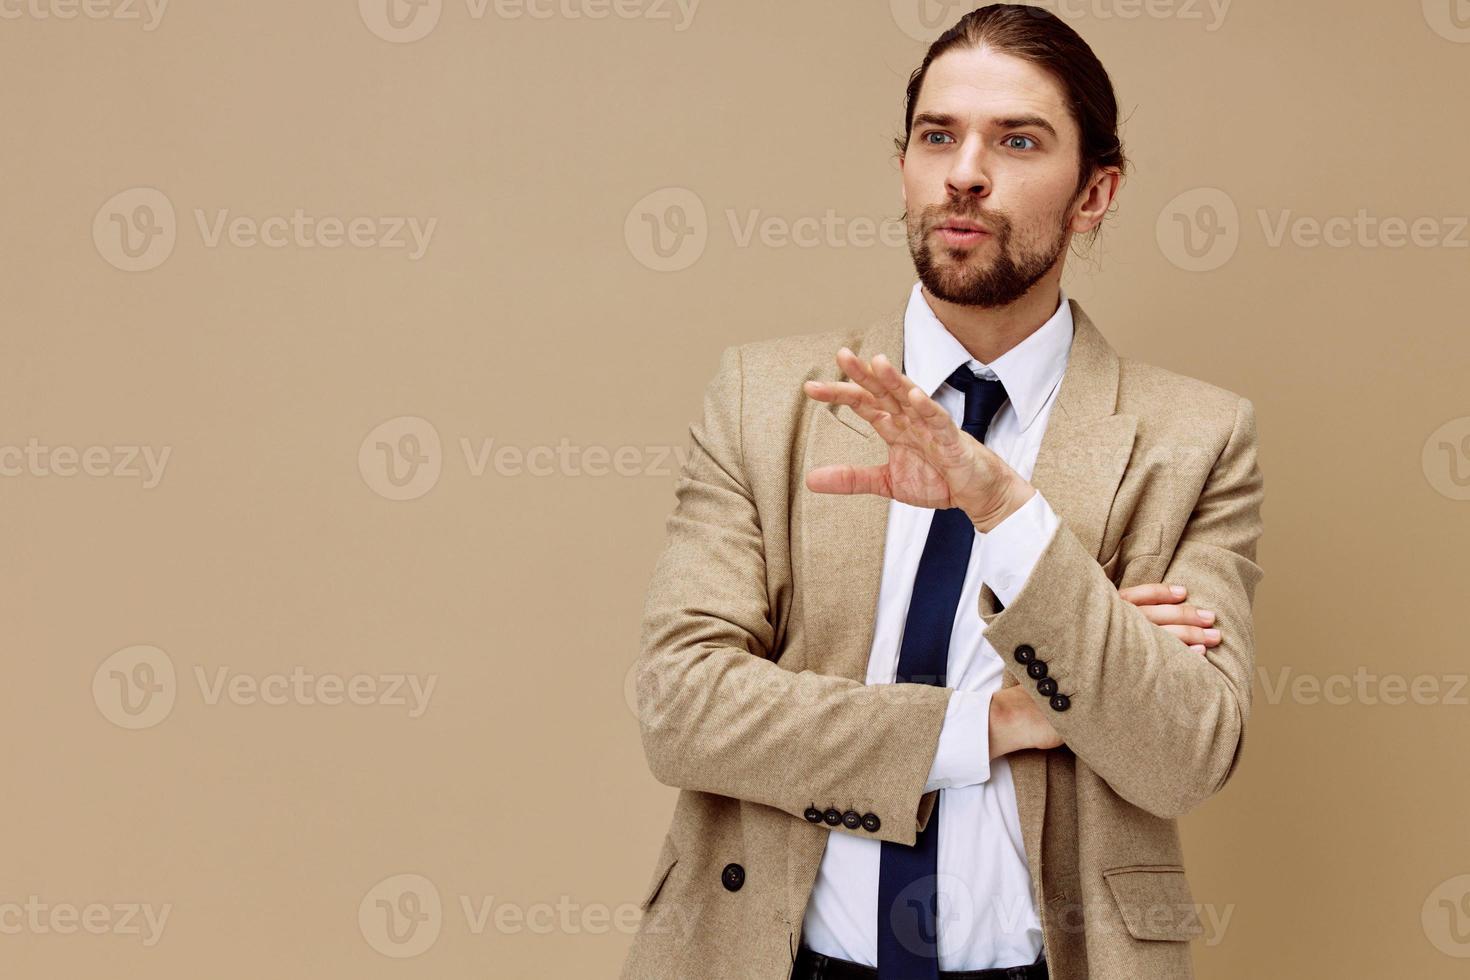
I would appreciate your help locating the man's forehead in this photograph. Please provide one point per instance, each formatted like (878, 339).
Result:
(984, 83)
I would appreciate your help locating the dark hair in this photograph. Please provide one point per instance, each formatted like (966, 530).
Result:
(1037, 35)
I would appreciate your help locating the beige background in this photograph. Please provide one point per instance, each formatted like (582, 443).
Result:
(540, 316)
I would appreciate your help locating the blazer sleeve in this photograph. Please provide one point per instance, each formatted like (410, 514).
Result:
(716, 711)
(1164, 727)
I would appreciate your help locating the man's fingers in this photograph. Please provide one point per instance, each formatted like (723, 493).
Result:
(859, 372)
(1163, 604)
(933, 417)
(897, 385)
(1181, 613)
(861, 401)
(845, 478)
(1152, 592)
(1195, 635)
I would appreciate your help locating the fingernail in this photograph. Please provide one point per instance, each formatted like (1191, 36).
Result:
(1212, 634)
(1177, 589)
(1206, 615)
(1198, 648)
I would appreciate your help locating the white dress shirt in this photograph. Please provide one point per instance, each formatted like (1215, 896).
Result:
(987, 916)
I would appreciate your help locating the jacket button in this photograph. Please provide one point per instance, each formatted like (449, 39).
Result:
(852, 820)
(1037, 669)
(832, 817)
(1047, 686)
(813, 815)
(871, 823)
(1060, 702)
(733, 877)
(1024, 653)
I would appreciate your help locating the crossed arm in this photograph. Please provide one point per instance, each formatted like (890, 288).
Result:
(718, 715)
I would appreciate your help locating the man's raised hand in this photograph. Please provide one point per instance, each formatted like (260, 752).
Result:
(932, 462)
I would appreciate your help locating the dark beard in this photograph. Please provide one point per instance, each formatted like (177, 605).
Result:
(1006, 279)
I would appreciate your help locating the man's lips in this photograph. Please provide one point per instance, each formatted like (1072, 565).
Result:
(960, 232)
(964, 224)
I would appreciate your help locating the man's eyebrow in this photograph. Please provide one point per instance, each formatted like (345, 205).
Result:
(946, 121)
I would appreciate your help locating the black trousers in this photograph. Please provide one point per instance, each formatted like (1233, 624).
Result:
(811, 965)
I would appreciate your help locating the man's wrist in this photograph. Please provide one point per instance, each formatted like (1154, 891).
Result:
(1007, 733)
(1017, 492)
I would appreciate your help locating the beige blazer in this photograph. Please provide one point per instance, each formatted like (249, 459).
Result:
(759, 619)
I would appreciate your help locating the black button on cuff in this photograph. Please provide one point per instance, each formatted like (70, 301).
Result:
(871, 823)
(832, 817)
(1024, 653)
(732, 877)
(1060, 702)
(1037, 669)
(813, 815)
(1047, 686)
(852, 820)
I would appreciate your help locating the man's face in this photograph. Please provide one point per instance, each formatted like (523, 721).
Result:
(992, 145)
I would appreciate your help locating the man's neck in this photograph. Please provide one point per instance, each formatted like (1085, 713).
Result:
(989, 333)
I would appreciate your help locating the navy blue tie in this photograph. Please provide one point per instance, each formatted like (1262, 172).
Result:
(908, 920)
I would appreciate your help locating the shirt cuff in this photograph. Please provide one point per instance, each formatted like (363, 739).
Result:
(963, 757)
(1011, 549)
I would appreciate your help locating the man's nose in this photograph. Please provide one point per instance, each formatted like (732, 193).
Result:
(968, 174)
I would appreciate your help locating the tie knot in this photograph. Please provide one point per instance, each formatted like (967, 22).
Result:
(983, 398)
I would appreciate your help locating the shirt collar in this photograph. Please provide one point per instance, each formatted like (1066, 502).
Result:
(1030, 370)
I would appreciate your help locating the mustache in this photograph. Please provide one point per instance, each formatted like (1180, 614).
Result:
(934, 217)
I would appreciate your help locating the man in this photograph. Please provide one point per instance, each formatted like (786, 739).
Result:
(899, 656)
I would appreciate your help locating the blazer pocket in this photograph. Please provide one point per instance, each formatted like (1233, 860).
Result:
(1155, 901)
(1146, 539)
(668, 856)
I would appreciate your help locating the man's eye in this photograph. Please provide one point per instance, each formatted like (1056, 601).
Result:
(1018, 137)
(928, 137)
